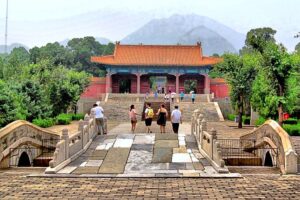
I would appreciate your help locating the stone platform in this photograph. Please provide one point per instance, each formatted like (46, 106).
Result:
(142, 155)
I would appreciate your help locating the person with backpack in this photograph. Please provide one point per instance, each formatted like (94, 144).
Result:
(149, 114)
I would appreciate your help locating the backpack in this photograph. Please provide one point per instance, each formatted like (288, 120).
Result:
(150, 113)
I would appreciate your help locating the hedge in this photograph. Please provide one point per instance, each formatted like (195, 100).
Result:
(44, 123)
(231, 117)
(292, 129)
(290, 121)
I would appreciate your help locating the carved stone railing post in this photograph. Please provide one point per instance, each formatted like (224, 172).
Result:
(65, 136)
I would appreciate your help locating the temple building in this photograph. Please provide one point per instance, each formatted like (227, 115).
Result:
(145, 68)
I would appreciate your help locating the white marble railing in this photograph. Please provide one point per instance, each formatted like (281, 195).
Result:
(70, 147)
(207, 142)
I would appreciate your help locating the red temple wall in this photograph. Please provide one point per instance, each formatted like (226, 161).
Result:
(220, 90)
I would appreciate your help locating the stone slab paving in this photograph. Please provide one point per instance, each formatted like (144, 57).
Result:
(142, 155)
(16, 184)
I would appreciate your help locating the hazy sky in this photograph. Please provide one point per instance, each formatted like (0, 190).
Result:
(241, 15)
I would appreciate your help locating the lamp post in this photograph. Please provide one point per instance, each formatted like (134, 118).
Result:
(6, 22)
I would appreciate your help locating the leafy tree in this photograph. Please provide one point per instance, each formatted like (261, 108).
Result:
(297, 48)
(239, 72)
(10, 108)
(258, 38)
(270, 89)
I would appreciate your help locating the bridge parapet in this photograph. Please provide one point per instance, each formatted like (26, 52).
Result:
(207, 142)
(69, 148)
(21, 134)
(273, 135)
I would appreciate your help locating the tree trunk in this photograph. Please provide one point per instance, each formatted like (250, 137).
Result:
(280, 107)
(240, 107)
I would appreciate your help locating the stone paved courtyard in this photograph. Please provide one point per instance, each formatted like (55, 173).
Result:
(142, 155)
(15, 185)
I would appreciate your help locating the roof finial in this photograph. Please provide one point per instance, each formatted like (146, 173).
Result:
(117, 42)
(198, 43)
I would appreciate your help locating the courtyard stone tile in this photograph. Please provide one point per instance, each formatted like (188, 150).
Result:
(190, 138)
(162, 155)
(83, 164)
(115, 161)
(189, 166)
(181, 158)
(204, 162)
(125, 136)
(166, 136)
(181, 149)
(139, 157)
(177, 166)
(142, 147)
(86, 170)
(136, 167)
(193, 157)
(109, 141)
(109, 136)
(94, 163)
(144, 139)
(98, 155)
(198, 166)
(166, 144)
(78, 161)
(191, 145)
(67, 170)
(123, 143)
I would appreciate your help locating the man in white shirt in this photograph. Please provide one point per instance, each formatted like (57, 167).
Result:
(97, 112)
(176, 119)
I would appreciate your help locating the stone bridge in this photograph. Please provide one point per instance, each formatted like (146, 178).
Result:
(22, 143)
(272, 136)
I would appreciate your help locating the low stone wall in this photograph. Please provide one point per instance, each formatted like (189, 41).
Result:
(69, 148)
(273, 135)
(207, 142)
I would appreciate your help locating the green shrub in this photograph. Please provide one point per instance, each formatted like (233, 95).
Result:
(77, 116)
(64, 119)
(231, 117)
(246, 120)
(290, 121)
(260, 121)
(44, 123)
(292, 129)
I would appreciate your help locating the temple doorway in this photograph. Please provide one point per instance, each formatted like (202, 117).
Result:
(158, 83)
(268, 160)
(190, 85)
(125, 86)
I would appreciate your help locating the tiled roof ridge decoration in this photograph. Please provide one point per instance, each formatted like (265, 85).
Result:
(157, 55)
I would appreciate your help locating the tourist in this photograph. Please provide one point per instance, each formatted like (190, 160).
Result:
(193, 96)
(167, 97)
(173, 96)
(133, 118)
(181, 95)
(176, 119)
(159, 89)
(149, 113)
(155, 95)
(97, 112)
(162, 114)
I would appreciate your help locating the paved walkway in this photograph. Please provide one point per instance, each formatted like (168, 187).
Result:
(15, 185)
(122, 154)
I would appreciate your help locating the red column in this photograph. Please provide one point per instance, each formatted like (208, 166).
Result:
(138, 82)
(207, 84)
(108, 82)
(177, 83)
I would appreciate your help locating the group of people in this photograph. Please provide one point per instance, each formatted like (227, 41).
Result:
(172, 95)
(162, 115)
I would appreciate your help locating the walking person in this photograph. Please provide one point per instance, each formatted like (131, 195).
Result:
(181, 95)
(149, 113)
(162, 118)
(193, 97)
(176, 119)
(133, 118)
(97, 112)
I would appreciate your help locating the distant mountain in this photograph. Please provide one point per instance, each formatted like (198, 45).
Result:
(211, 41)
(101, 40)
(11, 47)
(188, 29)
